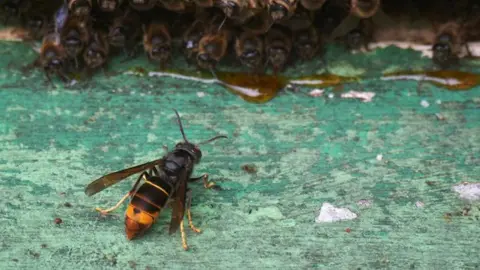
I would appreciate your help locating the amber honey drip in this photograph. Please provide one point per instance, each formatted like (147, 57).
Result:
(261, 88)
(252, 87)
(449, 79)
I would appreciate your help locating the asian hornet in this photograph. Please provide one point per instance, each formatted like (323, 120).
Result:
(164, 180)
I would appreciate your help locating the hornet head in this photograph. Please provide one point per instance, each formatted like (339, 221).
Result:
(190, 148)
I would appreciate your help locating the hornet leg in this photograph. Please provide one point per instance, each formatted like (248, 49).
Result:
(189, 212)
(184, 236)
(206, 183)
(189, 215)
(113, 208)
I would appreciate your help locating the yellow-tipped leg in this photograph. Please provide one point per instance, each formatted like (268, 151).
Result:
(190, 223)
(184, 236)
(207, 184)
(106, 211)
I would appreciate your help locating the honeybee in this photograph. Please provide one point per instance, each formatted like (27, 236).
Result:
(278, 46)
(249, 50)
(125, 32)
(361, 10)
(74, 37)
(449, 44)
(329, 17)
(191, 39)
(443, 54)
(213, 46)
(364, 9)
(157, 42)
(142, 5)
(258, 24)
(232, 8)
(281, 9)
(239, 10)
(307, 42)
(360, 36)
(312, 4)
(97, 51)
(53, 57)
(80, 8)
(109, 5)
(302, 19)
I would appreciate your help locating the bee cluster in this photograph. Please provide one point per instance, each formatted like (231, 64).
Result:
(84, 34)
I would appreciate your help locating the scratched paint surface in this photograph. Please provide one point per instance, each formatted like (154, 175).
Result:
(307, 150)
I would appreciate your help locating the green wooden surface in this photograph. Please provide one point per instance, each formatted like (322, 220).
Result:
(307, 150)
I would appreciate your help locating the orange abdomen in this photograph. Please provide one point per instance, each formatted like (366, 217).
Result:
(146, 205)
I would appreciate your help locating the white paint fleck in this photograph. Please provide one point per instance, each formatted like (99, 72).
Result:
(419, 204)
(438, 101)
(379, 157)
(468, 191)
(364, 96)
(151, 137)
(104, 149)
(316, 92)
(330, 213)
(424, 103)
(200, 94)
(331, 95)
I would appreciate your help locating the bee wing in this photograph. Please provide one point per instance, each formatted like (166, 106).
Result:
(178, 204)
(60, 16)
(115, 177)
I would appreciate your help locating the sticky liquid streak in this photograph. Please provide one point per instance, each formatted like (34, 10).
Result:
(252, 88)
(451, 80)
(262, 88)
(243, 91)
